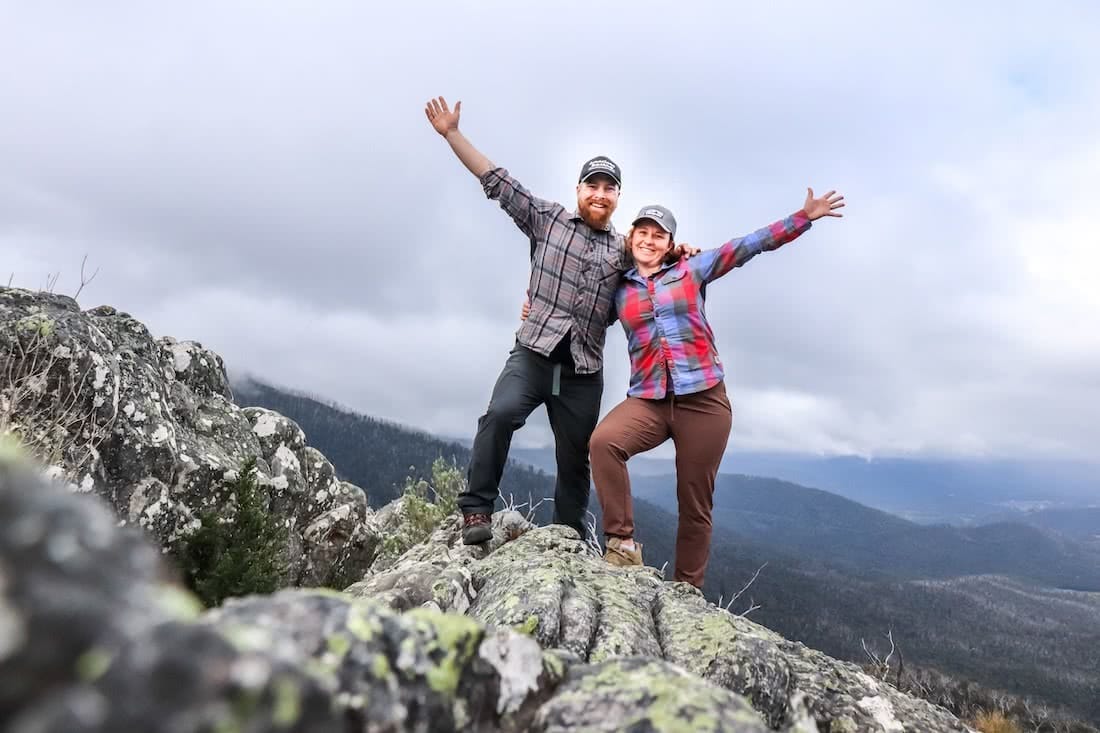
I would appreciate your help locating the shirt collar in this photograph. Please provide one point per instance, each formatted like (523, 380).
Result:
(633, 273)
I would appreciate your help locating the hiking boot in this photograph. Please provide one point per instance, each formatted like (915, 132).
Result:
(476, 528)
(620, 557)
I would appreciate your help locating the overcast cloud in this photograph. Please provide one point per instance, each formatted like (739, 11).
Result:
(259, 177)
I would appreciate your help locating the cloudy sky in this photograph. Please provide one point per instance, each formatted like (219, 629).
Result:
(260, 177)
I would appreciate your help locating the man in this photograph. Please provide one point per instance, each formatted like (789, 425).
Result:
(576, 260)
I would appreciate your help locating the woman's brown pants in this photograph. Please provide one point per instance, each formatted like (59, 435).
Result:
(699, 425)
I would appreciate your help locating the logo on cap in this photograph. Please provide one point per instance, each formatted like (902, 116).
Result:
(601, 165)
(656, 213)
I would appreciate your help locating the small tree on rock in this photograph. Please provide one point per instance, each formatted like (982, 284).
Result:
(237, 549)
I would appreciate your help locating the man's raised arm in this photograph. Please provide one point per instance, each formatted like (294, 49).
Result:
(445, 122)
(528, 212)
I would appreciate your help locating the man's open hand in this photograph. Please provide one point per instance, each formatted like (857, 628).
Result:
(441, 116)
(680, 251)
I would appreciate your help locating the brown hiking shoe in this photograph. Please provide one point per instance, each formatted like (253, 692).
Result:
(619, 557)
(476, 528)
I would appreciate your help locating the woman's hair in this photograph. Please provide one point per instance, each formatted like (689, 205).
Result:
(669, 257)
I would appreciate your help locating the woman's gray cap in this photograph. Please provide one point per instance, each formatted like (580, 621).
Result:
(659, 214)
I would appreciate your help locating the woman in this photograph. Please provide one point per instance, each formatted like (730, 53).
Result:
(676, 383)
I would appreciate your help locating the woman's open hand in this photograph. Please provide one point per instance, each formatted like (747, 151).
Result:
(827, 205)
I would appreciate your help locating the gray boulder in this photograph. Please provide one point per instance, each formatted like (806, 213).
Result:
(632, 693)
(150, 425)
(94, 637)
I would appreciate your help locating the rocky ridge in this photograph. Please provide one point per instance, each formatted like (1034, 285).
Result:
(530, 632)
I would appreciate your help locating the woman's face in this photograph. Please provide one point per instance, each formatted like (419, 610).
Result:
(649, 243)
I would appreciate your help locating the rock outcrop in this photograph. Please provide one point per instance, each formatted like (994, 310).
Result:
(546, 583)
(528, 632)
(150, 425)
(94, 637)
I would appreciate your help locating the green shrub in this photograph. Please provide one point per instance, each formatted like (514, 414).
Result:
(425, 506)
(238, 548)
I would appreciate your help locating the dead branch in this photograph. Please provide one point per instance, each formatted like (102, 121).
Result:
(738, 594)
(752, 607)
(46, 400)
(530, 516)
(592, 536)
(84, 280)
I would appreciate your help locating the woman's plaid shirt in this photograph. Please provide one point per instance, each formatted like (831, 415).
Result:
(575, 271)
(664, 319)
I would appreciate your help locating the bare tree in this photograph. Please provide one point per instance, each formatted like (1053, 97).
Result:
(880, 666)
(1037, 716)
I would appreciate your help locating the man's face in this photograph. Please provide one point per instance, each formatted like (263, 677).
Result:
(597, 198)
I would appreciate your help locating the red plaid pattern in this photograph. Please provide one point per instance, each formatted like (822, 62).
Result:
(666, 328)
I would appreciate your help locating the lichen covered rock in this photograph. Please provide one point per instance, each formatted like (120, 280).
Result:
(94, 636)
(547, 584)
(150, 426)
(632, 693)
(422, 670)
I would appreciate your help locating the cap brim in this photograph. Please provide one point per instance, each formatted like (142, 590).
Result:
(602, 173)
(650, 218)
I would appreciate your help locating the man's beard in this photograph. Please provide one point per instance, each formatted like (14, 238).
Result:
(595, 218)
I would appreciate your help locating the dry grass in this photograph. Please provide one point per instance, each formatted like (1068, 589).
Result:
(995, 722)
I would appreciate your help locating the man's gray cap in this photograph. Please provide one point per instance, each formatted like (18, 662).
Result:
(601, 164)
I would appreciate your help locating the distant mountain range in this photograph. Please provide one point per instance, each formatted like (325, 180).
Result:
(834, 572)
(858, 539)
(971, 491)
(1079, 523)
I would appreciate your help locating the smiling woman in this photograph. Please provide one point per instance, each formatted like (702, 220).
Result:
(677, 385)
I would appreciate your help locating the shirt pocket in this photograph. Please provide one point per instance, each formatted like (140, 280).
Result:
(610, 269)
(674, 275)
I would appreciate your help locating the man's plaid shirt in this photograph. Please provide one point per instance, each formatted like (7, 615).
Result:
(575, 271)
(664, 319)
